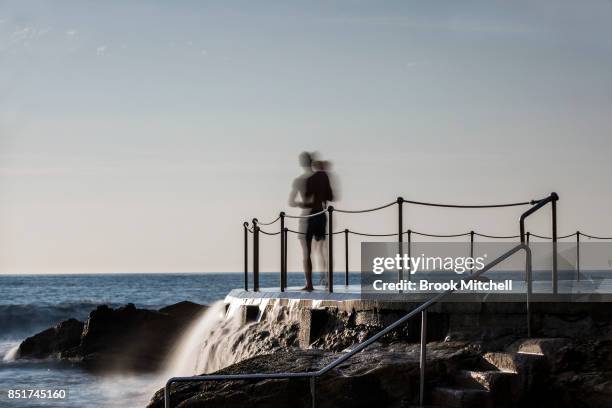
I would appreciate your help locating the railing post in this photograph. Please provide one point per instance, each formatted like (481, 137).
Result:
(423, 358)
(410, 253)
(286, 235)
(312, 392)
(472, 249)
(281, 235)
(528, 237)
(330, 257)
(255, 255)
(578, 256)
(400, 234)
(246, 255)
(346, 257)
(529, 279)
(554, 242)
(167, 395)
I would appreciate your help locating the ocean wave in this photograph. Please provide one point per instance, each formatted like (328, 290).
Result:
(19, 321)
(10, 354)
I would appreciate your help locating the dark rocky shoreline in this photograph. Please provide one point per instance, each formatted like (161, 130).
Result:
(459, 374)
(126, 339)
(478, 354)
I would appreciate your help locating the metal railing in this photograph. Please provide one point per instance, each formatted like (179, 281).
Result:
(284, 231)
(422, 309)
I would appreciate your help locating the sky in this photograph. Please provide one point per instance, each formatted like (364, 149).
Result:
(138, 136)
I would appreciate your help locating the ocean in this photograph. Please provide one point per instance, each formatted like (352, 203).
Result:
(31, 303)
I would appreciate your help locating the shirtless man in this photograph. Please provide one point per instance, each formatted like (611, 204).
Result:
(315, 191)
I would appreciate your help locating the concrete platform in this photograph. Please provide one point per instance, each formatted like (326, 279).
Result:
(568, 291)
(320, 314)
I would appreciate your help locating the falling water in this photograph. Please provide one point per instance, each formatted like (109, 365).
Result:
(219, 337)
(184, 359)
(11, 354)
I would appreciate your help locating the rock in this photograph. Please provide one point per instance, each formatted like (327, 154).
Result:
(184, 311)
(373, 378)
(53, 341)
(122, 339)
(568, 326)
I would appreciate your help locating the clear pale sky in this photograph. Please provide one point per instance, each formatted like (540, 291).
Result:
(138, 136)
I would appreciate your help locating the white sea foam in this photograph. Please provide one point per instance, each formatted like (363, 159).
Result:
(11, 354)
(184, 359)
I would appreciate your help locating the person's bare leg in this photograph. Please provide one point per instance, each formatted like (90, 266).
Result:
(306, 250)
(321, 250)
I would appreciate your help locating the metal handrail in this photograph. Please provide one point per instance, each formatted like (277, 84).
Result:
(359, 347)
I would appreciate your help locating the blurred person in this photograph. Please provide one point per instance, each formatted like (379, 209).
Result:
(315, 191)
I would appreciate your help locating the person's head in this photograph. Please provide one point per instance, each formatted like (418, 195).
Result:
(321, 165)
(305, 160)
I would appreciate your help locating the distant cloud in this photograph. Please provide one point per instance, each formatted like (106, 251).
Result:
(101, 50)
(24, 34)
(412, 64)
(204, 52)
(459, 25)
(71, 33)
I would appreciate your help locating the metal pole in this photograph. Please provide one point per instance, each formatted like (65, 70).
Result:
(578, 256)
(528, 235)
(528, 278)
(554, 242)
(286, 235)
(472, 249)
(281, 235)
(423, 359)
(410, 253)
(400, 234)
(312, 391)
(330, 257)
(246, 255)
(255, 256)
(346, 256)
(536, 206)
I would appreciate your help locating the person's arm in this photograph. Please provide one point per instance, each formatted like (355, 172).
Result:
(329, 196)
(293, 201)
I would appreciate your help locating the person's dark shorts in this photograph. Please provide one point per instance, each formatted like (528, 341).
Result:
(316, 227)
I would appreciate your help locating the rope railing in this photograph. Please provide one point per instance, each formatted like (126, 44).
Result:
(427, 234)
(545, 237)
(532, 202)
(364, 234)
(268, 223)
(401, 200)
(480, 234)
(366, 210)
(306, 215)
(269, 233)
(440, 235)
(591, 236)
(283, 232)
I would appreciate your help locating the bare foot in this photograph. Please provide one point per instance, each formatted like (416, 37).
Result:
(307, 289)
